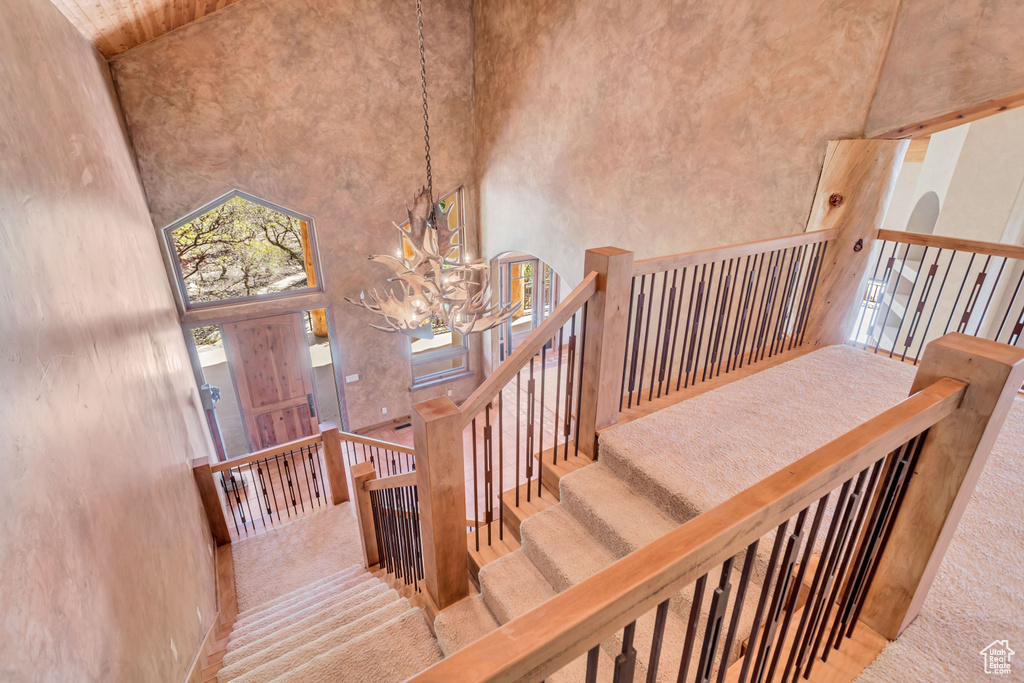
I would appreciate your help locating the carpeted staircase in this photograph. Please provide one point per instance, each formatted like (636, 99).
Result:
(659, 471)
(349, 626)
(652, 475)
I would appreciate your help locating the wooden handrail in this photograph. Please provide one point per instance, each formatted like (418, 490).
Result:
(267, 453)
(696, 258)
(543, 640)
(528, 349)
(397, 481)
(377, 443)
(953, 243)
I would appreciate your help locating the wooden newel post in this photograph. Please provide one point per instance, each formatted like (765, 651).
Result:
(211, 501)
(607, 320)
(951, 460)
(853, 194)
(334, 459)
(437, 435)
(362, 473)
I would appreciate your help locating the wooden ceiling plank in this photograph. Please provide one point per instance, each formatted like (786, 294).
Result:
(115, 26)
(83, 22)
(109, 27)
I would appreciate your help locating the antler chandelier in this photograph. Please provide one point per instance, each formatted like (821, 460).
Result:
(432, 282)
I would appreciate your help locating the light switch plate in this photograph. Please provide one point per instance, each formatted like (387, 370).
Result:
(351, 378)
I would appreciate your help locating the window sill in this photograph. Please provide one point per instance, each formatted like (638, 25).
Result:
(434, 381)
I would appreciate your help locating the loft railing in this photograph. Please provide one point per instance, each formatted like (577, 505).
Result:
(261, 490)
(920, 287)
(273, 485)
(866, 518)
(715, 310)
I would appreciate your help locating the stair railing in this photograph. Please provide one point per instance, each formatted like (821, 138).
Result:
(388, 514)
(866, 520)
(922, 286)
(547, 399)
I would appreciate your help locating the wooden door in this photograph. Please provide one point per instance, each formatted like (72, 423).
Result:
(273, 377)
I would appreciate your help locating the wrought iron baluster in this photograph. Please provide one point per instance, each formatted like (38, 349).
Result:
(691, 627)
(625, 661)
(625, 354)
(579, 383)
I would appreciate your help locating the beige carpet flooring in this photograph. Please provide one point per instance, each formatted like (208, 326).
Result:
(295, 554)
(347, 626)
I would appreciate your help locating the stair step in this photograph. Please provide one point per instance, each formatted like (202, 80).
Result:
(310, 615)
(291, 653)
(489, 553)
(512, 586)
(304, 602)
(463, 624)
(348, 572)
(566, 462)
(611, 510)
(300, 631)
(393, 651)
(529, 504)
(562, 549)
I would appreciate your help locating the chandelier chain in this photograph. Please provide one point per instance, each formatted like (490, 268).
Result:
(426, 120)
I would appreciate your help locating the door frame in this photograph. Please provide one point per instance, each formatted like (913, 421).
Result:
(266, 309)
(250, 424)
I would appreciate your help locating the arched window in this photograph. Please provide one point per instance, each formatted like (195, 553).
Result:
(242, 247)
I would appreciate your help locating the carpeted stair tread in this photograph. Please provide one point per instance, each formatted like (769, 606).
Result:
(304, 630)
(310, 600)
(303, 599)
(271, 662)
(326, 581)
(686, 458)
(464, 623)
(622, 518)
(512, 586)
(565, 553)
(310, 615)
(389, 653)
(562, 550)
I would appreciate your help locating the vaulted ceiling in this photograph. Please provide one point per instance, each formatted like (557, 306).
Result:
(115, 26)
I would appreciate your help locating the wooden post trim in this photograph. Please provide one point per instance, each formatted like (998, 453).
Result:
(606, 332)
(362, 473)
(211, 501)
(334, 459)
(441, 472)
(950, 463)
(856, 183)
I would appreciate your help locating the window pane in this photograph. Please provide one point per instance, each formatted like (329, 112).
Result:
(444, 338)
(441, 366)
(242, 249)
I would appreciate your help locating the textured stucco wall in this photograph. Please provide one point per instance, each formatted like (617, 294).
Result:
(946, 55)
(106, 569)
(314, 105)
(660, 126)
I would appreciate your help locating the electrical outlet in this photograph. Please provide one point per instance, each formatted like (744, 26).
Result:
(351, 378)
(383, 411)
(450, 392)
